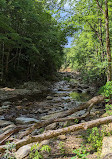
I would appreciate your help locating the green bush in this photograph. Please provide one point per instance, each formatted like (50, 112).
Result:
(94, 137)
(106, 90)
(36, 153)
(80, 153)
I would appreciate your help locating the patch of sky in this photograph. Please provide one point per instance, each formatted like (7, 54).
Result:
(63, 12)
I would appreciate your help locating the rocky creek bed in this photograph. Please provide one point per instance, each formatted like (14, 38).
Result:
(25, 106)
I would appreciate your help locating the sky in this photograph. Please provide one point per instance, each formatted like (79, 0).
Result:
(64, 15)
(67, 7)
(69, 42)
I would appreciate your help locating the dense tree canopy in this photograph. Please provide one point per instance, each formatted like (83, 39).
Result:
(92, 42)
(31, 40)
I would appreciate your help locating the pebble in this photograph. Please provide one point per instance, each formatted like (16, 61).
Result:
(62, 137)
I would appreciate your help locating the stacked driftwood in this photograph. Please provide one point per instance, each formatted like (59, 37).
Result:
(26, 138)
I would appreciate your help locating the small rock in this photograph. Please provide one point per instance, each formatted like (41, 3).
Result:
(83, 121)
(23, 152)
(92, 114)
(62, 137)
(2, 117)
(19, 107)
(40, 111)
(57, 99)
(24, 100)
(49, 98)
(24, 120)
(51, 126)
(56, 95)
(5, 106)
(97, 112)
(6, 103)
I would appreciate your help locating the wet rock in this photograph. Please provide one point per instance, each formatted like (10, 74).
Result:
(51, 126)
(60, 89)
(53, 115)
(6, 103)
(5, 106)
(23, 152)
(57, 99)
(2, 117)
(24, 120)
(107, 146)
(79, 113)
(83, 121)
(4, 123)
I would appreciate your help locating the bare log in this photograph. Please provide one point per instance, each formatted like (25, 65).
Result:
(54, 133)
(6, 135)
(91, 102)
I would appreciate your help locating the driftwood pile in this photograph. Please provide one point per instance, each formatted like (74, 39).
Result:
(25, 137)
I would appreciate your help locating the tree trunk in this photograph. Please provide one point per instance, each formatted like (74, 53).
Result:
(107, 38)
(107, 42)
(55, 133)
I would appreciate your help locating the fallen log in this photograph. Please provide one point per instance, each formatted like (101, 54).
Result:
(93, 101)
(54, 133)
(6, 135)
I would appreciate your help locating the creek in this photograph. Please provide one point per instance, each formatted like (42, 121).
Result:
(61, 96)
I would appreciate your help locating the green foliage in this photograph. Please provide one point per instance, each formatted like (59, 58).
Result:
(94, 137)
(80, 153)
(75, 95)
(9, 152)
(62, 147)
(88, 52)
(37, 153)
(108, 109)
(106, 90)
(31, 40)
(76, 121)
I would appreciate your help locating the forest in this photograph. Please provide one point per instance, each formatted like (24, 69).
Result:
(55, 94)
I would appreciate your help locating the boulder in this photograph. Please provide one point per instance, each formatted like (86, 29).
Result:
(23, 152)
(26, 120)
(107, 146)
